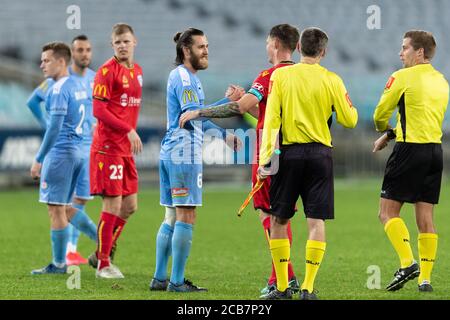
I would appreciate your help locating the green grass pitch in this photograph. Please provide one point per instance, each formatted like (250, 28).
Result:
(229, 254)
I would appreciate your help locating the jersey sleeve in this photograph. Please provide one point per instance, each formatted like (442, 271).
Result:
(34, 104)
(272, 121)
(51, 134)
(185, 91)
(346, 113)
(389, 100)
(103, 83)
(260, 86)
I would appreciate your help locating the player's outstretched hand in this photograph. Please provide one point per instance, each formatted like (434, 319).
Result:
(233, 142)
(380, 143)
(35, 170)
(135, 141)
(187, 116)
(234, 92)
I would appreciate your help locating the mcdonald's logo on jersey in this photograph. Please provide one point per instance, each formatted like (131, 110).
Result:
(100, 91)
(189, 95)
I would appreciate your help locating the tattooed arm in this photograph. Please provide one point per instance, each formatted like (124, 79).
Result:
(226, 110)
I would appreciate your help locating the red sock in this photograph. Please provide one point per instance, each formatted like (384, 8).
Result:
(105, 238)
(118, 227)
(273, 276)
(266, 226)
(290, 269)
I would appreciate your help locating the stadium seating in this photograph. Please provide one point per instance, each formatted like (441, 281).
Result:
(236, 31)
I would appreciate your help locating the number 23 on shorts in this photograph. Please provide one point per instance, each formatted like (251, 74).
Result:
(116, 172)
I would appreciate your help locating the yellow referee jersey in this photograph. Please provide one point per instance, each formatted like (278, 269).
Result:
(421, 94)
(301, 100)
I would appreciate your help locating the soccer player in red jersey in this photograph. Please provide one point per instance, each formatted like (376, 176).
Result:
(281, 43)
(117, 100)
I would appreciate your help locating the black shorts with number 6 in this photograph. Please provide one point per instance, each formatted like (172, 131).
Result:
(305, 170)
(413, 173)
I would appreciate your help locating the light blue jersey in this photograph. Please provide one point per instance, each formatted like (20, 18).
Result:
(184, 92)
(89, 120)
(39, 95)
(34, 103)
(60, 150)
(181, 149)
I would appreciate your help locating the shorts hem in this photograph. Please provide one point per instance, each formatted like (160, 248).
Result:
(400, 199)
(84, 198)
(180, 205)
(55, 203)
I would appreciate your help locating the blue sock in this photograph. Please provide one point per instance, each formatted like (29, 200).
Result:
(181, 246)
(163, 250)
(59, 245)
(75, 233)
(83, 223)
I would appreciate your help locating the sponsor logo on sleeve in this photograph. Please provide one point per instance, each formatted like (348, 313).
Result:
(349, 101)
(189, 95)
(389, 83)
(270, 86)
(100, 91)
(139, 77)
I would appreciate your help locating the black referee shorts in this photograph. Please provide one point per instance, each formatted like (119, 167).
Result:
(305, 170)
(413, 173)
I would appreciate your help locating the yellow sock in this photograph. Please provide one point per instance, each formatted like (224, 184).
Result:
(399, 236)
(427, 253)
(314, 255)
(281, 252)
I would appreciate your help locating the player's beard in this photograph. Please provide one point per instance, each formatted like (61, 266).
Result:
(196, 64)
(81, 64)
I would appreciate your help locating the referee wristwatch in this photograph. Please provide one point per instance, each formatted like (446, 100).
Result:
(391, 134)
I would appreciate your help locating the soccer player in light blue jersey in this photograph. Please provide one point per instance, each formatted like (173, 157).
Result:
(180, 165)
(59, 160)
(82, 56)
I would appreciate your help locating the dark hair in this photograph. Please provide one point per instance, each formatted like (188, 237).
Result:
(287, 34)
(422, 39)
(60, 50)
(81, 37)
(313, 41)
(184, 39)
(121, 28)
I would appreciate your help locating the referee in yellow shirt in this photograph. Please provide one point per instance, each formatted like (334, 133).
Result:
(301, 101)
(414, 169)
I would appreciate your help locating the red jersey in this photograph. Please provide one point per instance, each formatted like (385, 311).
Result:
(260, 89)
(117, 92)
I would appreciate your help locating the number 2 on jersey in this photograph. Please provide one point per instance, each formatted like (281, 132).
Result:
(79, 128)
